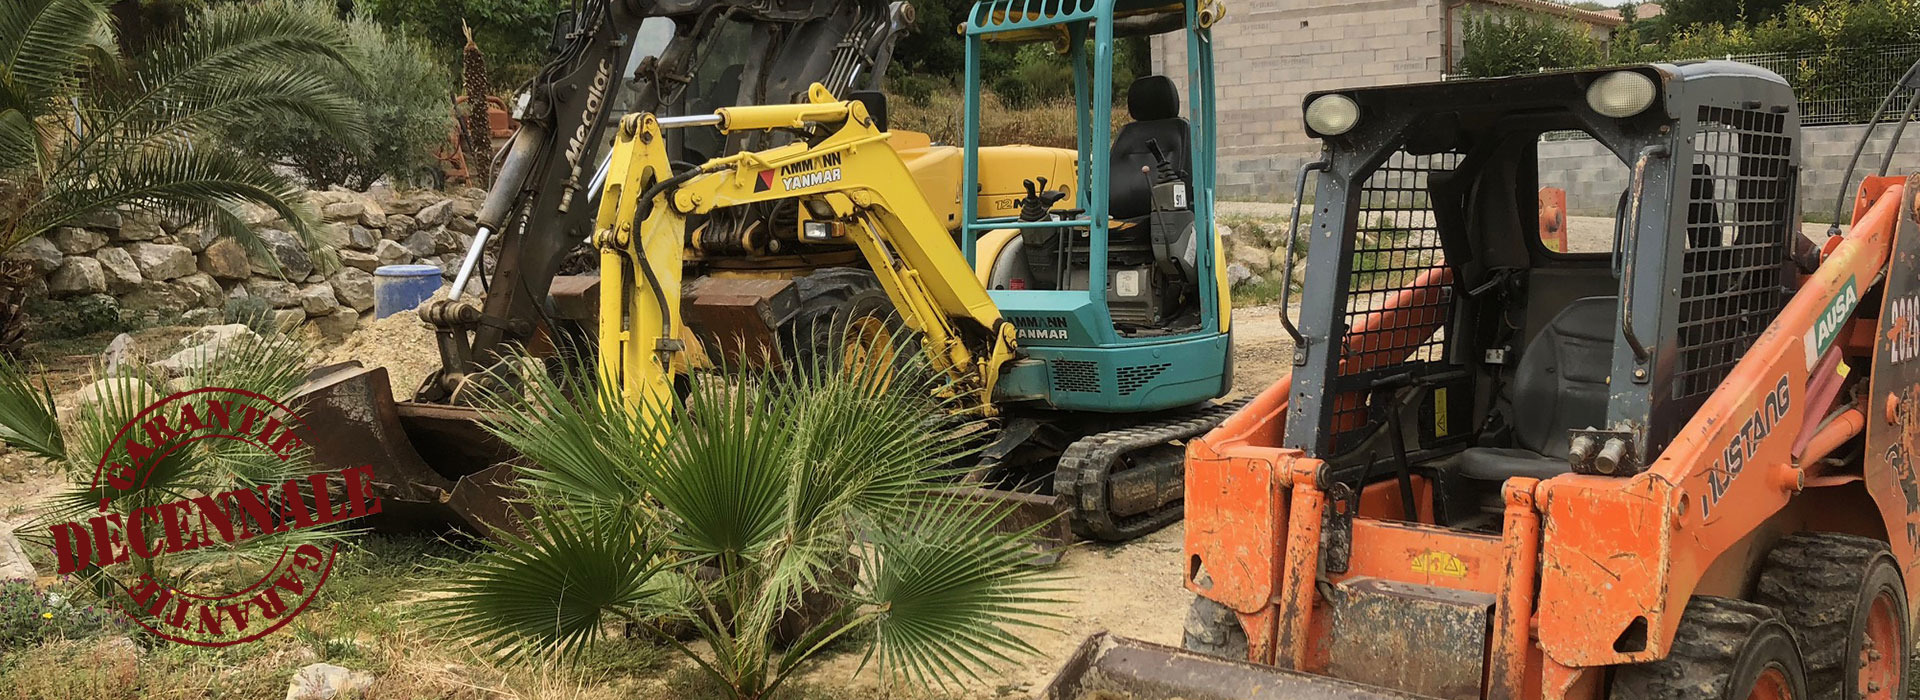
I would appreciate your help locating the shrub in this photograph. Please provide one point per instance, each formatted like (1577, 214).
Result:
(1511, 43)
(29, 617)
(402, 93)
(514, 33)
(253, 312)
(1049, 123)
(73, 318)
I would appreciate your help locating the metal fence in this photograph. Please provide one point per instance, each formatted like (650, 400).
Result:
(1839, 86)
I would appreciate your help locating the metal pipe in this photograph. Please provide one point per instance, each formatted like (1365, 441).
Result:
(1286, 272)
(522, 152)
(1630, 252)
(472, 259)
(688, 120)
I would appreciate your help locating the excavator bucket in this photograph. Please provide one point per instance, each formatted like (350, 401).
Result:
(1117, 668)
(434, 466)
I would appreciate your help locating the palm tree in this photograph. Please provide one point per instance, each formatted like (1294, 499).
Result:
(737, 514)
(84, 130)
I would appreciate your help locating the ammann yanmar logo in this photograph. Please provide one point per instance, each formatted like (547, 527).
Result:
(803, 174)
(160, 523)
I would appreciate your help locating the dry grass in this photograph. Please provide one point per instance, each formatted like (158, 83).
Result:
(1046, 124)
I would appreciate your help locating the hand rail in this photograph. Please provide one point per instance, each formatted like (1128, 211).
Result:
(1631, 244)
(1286, 274)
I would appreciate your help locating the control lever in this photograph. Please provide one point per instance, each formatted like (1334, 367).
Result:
(1038, 204)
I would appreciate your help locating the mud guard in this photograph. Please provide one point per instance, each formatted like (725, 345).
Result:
(1106, 666)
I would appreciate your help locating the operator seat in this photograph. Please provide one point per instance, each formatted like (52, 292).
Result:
(1154, 105)
(1559, 385)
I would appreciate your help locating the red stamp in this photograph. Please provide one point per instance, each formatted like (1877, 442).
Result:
(153, 522)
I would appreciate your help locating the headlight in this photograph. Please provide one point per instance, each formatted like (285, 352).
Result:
(816, 230)
(1620, 94)
(1333, 115)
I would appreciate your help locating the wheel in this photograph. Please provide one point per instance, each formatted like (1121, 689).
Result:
(1213, 629)
(1844, 599)
(844, 320)
(1725, 648)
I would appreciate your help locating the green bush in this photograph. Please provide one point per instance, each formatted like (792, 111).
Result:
(1511, 43)
(1039, 74)
(29, 617)
(402, 93)
(252, 312)
(513, 34)
(73, 318)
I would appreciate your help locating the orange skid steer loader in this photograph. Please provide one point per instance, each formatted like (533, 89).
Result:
(1672, 462)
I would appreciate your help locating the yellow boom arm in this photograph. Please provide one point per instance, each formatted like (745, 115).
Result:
(849, 184)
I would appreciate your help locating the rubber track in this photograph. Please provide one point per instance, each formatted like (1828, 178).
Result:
(1814, 579)
(1085, 466)
(1711, 635)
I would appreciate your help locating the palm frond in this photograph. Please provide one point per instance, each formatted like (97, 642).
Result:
(584, 450)
(953, 591)
(43, 44)
(725, 473)
(27, 417)
(19, 141)
(552, 589)
(189, 183)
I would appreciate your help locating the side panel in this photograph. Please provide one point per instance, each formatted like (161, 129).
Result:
(1893, 406)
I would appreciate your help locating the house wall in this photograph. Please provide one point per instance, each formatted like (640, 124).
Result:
(1268, 54)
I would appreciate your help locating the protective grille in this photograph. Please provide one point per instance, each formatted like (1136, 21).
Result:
(1739, 223)
(1076, 375)
(1132, 378)
(1398, 262)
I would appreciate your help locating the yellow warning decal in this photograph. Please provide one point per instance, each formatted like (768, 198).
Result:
(1437, 563)
(1440, 412)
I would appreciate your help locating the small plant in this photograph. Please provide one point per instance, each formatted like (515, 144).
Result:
(253, 312)
(30, 617)
(74, 318)
(775, 517)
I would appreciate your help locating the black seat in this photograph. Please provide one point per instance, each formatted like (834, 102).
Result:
(1559, 385)
(1154, 104)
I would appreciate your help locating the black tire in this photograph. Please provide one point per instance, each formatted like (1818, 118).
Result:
(1824, 585)
(1214, 630)
(1723, 649)
(830, 301)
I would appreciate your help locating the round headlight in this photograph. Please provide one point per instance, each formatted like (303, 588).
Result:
(1332, 115)
(1620, 94)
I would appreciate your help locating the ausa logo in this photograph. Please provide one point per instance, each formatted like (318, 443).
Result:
(806, 173)
(1828, 325)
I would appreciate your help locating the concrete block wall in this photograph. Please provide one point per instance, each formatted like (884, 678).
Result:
(1268, 54)
(1593, 177)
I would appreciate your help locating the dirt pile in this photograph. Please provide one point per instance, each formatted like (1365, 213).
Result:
(402, 343)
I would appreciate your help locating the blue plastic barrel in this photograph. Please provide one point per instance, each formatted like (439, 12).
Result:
(398, 288)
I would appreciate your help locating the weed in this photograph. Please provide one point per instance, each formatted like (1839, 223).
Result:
(72, 318)
(29, 617)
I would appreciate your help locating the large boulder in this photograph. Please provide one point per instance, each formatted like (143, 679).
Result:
(196, 237)
(226, 259)
(339, 324)
(278, 294)
(422, 243)
(110, 389)
(398, 227)
(156, 300)
(205, 346)
(204, 286)
(317, 300)
(285, 320)
(77, 275)
(435, 214)
(374, 216)
(138, 226)
(446, 240)
(411, 202)
(353, 288)
(162, 262)
(77, 241)
(123, 274)
(332, 236)
(361, 238)
(391, 253)
(289, 258)
(347, 210)
(359, 260)
(39, 254)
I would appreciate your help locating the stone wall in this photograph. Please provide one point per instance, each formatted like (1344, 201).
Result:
(155, 271)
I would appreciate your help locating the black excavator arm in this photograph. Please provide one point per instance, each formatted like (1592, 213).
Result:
(695, 55)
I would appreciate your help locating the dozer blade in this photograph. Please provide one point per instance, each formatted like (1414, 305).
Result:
(433, 466)
(1025, 511)
(1116, 668)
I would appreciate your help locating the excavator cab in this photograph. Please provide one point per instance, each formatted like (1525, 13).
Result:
(1121, 302)
(1504, 469)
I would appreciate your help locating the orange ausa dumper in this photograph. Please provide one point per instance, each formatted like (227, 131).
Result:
(1672, 462)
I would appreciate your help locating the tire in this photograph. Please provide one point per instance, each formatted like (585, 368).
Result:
(1213, 629)
(1726, 649)
(1844, 599)
(831, 301)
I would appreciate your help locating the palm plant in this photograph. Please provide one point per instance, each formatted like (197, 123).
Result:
(74, 441)
(737, 514)
(85, 130)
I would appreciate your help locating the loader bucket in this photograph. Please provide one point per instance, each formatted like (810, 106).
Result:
(1116, 668)
(434, 466)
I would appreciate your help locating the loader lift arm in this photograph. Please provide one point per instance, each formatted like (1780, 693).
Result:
(850, 185)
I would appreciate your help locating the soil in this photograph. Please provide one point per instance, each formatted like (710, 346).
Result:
(402, 343)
